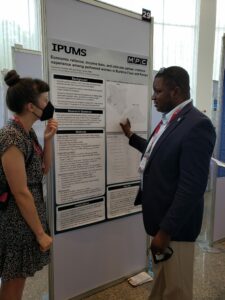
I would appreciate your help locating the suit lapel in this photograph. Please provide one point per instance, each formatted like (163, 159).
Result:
(172, 126)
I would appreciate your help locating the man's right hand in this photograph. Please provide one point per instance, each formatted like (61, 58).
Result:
(45, 241)
(126, 128)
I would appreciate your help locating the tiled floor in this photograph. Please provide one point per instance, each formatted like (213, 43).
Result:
(37, 287)
(209, 276)
(209, 281)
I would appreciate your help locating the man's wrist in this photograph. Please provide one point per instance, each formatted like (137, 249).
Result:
(129, 134)
(163, 234)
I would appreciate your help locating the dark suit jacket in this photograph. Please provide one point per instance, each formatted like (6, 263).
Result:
(176, 175)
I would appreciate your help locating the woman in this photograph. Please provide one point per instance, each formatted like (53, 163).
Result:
(24, 233)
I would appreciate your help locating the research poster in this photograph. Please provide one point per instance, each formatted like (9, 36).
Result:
(80, 213)
(120, 199)
(96, 171)
(80, 164)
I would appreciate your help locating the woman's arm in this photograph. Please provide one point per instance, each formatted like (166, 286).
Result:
(50, 131)
(14, 168)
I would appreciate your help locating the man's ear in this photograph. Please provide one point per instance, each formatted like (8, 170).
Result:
(175, 93)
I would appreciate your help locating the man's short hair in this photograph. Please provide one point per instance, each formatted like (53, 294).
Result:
(176, 76)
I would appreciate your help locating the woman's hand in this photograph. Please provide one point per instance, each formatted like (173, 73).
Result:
(50, 129)
(45, 241)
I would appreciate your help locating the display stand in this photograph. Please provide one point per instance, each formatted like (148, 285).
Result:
(88, 258)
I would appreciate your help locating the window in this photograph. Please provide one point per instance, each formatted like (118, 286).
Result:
(175, 31)
(220, 31)
(19, 24)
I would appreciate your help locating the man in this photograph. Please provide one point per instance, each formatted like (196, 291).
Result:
(174, 171)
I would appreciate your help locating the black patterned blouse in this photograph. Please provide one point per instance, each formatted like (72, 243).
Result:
(20, 255)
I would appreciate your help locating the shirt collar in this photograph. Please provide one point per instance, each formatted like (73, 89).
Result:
(166, 116)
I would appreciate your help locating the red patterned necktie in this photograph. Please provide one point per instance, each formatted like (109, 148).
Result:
(156, 130)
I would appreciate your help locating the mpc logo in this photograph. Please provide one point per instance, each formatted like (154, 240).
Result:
(137, 60)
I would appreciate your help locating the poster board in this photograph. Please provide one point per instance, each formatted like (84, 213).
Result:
(96, 171)
(90, 257)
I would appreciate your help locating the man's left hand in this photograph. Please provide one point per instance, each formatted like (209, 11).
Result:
(160, 242)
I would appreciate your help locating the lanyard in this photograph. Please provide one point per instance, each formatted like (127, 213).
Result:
(155, 136)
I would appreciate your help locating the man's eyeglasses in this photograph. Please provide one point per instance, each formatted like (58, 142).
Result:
(159, 257)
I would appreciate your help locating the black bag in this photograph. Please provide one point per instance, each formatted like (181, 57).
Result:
(5, 193)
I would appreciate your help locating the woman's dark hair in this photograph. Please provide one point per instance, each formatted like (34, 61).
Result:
(176, 76)
(22, 91)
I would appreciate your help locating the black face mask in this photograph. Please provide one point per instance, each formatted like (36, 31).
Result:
(47, 112)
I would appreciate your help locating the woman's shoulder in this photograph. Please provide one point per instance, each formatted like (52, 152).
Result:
(9, 136)
(9, 131)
